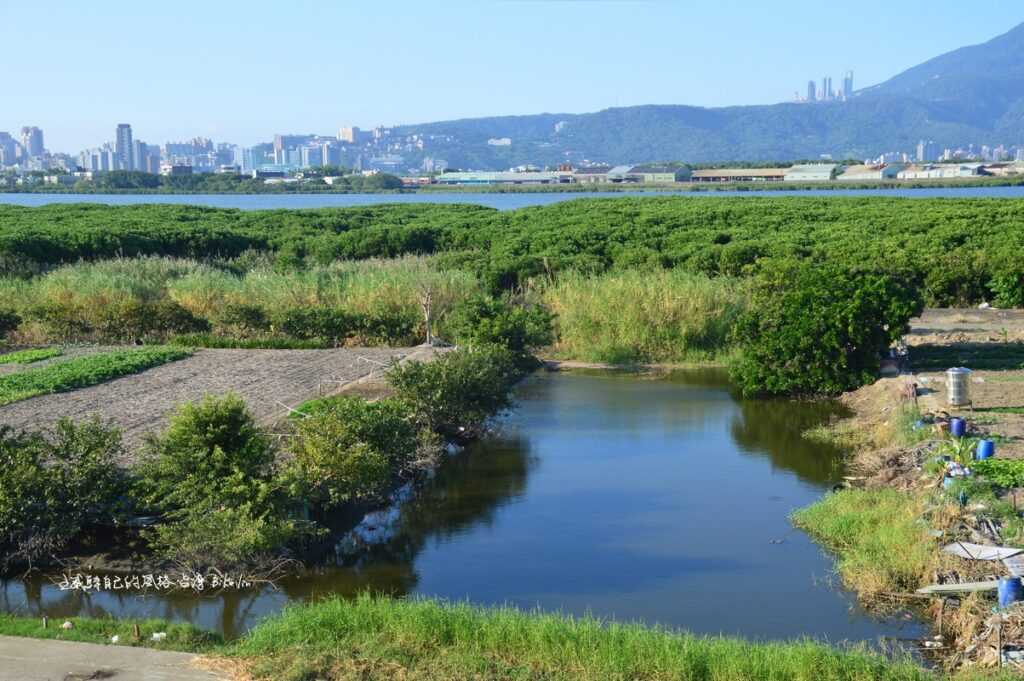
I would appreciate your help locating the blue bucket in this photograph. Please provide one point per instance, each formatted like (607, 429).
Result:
(958, 427)
(947, 482)
(986, 450)
(1011, 590)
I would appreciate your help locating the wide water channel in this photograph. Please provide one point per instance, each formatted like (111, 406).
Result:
(662, 500)
(509, 201)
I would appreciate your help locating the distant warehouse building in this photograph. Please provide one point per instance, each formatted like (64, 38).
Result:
(487, 178)
(877, 172)
(740, 175)
(942, 171)
(815, 172)
(660, 174)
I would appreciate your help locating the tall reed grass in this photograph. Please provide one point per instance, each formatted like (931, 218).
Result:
(644, 316)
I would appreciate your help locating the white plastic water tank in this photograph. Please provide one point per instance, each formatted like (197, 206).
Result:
(958, 386)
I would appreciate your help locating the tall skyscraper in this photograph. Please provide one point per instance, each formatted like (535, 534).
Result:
(8, 146)
(812, 91)
(32, 141)
(124, 147)
(848, 85)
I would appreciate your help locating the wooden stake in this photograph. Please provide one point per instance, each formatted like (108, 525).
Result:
(135, 631)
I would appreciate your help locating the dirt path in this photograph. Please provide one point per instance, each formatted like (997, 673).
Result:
(27, 659)
(270, 381)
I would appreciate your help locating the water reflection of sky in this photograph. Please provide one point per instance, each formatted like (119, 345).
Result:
(631, 498)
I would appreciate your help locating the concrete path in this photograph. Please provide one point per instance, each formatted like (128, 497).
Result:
(27, 659)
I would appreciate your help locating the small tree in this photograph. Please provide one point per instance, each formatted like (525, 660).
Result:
(815, 330)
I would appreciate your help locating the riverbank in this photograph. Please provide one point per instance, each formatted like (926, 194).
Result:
(379, 638)
(888, 531)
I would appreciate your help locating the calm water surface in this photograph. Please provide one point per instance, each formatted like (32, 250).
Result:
(662, 500)
(499, 201)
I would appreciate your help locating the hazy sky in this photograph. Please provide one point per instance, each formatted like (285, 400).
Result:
(241, 71)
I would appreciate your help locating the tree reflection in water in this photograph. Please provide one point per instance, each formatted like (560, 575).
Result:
(465, 492)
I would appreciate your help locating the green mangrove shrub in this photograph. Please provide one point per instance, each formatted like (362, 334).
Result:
(488, 320)
(54, 485)
(456, 393)
(819, 330)
(211, 475)
(347, 449)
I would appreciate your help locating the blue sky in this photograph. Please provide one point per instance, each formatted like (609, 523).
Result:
(241, 71)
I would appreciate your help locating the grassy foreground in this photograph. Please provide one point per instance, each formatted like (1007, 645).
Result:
(378, 639)
(82, 372)
(881, 544)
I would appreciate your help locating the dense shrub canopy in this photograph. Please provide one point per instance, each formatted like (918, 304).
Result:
(952, 248)
(54, 484)
(457, 392)
(820, 330)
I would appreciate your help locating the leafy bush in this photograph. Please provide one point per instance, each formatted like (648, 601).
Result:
(348, 449)
(389, 327)
(485, 320)
(224, 537)
(56, 484)
(819, 330)
(212, 452)
(211, 474)
(457, 392)
(1007, 473)
(331, 324)
(246, 318)
(1007, 286)
(30, 356)
(82, 372)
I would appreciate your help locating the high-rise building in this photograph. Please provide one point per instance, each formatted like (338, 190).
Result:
(124, 148)
(927, 151)
(848, 85)
(8, 149)
(32, 141)
(812, 91)
(348, 134)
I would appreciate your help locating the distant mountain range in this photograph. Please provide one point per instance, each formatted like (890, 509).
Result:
(971, 95)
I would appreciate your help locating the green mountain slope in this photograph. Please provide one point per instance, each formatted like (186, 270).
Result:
(971, 95)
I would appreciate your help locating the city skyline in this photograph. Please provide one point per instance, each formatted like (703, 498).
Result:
(462, 60)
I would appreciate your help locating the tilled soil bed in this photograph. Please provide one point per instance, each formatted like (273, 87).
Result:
(270, 381)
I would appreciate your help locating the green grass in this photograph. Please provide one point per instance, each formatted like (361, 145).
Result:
(84, 371)
(30, 356)
(644, 316)
(1000, 410)
(880, 544)
(993, 356)
(208, 340)
(182, 637)
(378, 639)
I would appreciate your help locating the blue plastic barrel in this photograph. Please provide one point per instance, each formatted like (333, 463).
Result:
(958, 427)
(986, 450)
(1011, 590)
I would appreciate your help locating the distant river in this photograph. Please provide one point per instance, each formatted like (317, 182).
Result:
(500, 201)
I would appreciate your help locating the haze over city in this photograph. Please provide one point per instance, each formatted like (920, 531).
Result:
(242, 73)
